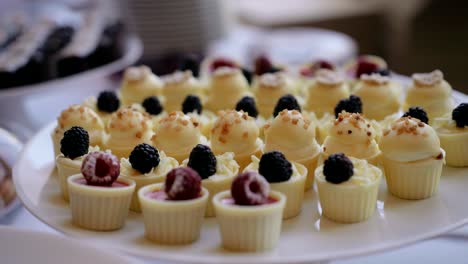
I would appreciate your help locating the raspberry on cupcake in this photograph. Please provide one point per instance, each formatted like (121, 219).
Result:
(99, 198)
(284, 176)
(347, 188)
(173, 211)
(217, 172)
(145, 165)
(249, 205)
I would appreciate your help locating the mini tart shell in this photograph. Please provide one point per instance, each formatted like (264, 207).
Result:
(413, 180)
(249, 228)
(456, 147)
(99, 208)
(292, 188)
(172, 222)
(347, 203)
(65, 168)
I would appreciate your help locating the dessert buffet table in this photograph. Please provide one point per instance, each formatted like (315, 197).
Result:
(451, 246)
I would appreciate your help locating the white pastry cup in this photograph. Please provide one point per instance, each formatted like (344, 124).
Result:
(65, 169)
(141, 181)
(249, 228)
(99, 208)
(56, 138)
(311, 165)
(348, 203)
(215, 187)
(294, 191)
(172, 222)
(413, 180)
(456, 148)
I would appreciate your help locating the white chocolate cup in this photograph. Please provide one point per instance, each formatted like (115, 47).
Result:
(249, 228)
(456, 148)
(99, 208)
(64, 170)
(172, 222)
(141, 181)
(311, 165)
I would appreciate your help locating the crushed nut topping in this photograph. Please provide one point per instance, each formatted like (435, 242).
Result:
(428, 79)
(137, 73)
(328, 77)
(375, 79)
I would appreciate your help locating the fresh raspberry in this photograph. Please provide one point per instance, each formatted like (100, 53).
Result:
(100, 168)
(263, 65)
(338, 168)
(247, 104)
(108, 101)
(249, 188)
(183, 183)
(312, 69)
(203, 161)
(275, 167)
(192, 104)
(365, 67)
(460, 115)
(152, 105)
(417, 112)
(144, 157)
(222, 62)
(75, 142)
(288, 102)
(351, 105)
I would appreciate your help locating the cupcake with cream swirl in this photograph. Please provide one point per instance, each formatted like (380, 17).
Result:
(294, 135)
(177, 134)
(139, 83)
(236, 132)
(176, 87)
(268, 88)
(412, 158)
(431, 92)
(127, 128)
(379, 94)
(353, 135)
(79, 115)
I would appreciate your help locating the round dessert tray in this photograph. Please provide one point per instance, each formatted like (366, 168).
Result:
(304, 239)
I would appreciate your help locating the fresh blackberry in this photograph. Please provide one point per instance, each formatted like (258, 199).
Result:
(247, 104)
(108, 101)
(275, 167)
(144, 157)
(417, 112)
(152, 105)
(192, 63)
(203, 161)
(192, 103)
(249, 188)
(247, 74)
(338, 168)
(75, 142)
(353, 104)
(460, 115)
(182, 183)
(286, 102)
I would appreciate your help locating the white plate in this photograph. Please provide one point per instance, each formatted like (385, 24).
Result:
(306, 238)
(25, 246)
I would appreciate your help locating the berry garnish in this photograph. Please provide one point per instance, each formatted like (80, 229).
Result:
(382, 72)
(312, 69)
(183, 183)
(249, 188)
(192, 63)
(222, 62)
(365, 67)
(275, 167)
(288, 102)
(75, 142)
(144, 157)
(203, 161)
(460, 115)
(353, 104)
(247, 104)
(152, 105)
(108, 101)
(417, 112)
(191, 104)
(338, 168)
(263, 65)
(100, 168)
(247, 74)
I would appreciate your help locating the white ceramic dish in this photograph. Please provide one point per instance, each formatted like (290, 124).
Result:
(26, 246)
(304, 239)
